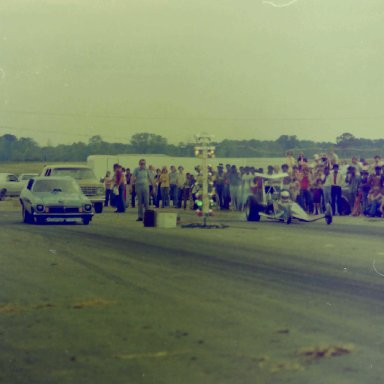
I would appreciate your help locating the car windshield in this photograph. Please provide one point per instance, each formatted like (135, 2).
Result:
(67, 186)
(76, 173)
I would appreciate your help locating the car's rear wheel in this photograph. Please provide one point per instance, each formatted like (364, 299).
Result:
(252, 210)
(98, 207)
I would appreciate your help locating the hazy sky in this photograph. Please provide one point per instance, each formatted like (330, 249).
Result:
(70, 69)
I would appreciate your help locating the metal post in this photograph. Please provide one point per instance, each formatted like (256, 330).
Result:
(204, 140)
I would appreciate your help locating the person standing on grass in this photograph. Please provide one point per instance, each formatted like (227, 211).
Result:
(235, 188)
(128, 189)
(152, 189)
(119, 186)
(164, 187)
(336, 183)
(180, 181)
(142, 180)
(219, 185)
(108, 188)
(173, 186)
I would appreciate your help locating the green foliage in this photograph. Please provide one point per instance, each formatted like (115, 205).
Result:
(26, 149)
(148, 143)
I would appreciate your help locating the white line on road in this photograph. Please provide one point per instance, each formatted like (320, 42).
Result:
(374, 268)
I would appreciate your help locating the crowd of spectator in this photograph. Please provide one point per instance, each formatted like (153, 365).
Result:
(352, 187)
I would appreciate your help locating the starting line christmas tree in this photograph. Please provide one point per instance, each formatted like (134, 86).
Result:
(204, 151)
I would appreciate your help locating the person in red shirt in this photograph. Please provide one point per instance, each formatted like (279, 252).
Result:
(305, 194)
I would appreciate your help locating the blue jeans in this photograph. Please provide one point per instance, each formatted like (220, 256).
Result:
(108, 192)
(173, 194)
(373, 208)
(306, 200)
(164, 197)
(336, 199)
(120, 199)
(327, 194)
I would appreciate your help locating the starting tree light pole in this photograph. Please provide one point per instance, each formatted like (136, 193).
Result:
(204, 150)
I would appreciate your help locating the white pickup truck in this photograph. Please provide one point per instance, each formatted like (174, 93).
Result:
(10, 185)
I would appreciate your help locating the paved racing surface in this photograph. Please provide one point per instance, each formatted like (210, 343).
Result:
(253, 303)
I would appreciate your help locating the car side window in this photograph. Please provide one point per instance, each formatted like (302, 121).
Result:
(12, 178)
(30, 183)
(48, 172)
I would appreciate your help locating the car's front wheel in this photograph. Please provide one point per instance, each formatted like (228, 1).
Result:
(27, 217)
(86, 220)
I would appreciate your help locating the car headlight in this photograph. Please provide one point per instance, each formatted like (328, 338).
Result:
(100, 191)
(40, 208)
(88, 207)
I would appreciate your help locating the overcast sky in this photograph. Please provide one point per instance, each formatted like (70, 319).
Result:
(238, 69)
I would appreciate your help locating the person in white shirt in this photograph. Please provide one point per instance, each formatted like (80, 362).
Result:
(336, 183)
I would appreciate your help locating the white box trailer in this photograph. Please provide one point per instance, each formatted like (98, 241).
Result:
(103, 163)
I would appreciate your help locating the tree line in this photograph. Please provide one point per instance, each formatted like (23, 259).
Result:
(26, 149)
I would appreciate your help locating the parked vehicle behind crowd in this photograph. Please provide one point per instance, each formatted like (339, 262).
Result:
(10, 185)
(90, 186)
(25, 177)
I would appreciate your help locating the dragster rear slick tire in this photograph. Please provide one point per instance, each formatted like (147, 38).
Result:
(252, 210)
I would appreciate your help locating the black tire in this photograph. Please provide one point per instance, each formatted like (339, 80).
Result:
(86, 220)
(252, 210)
(98, 207)
(27, 217)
